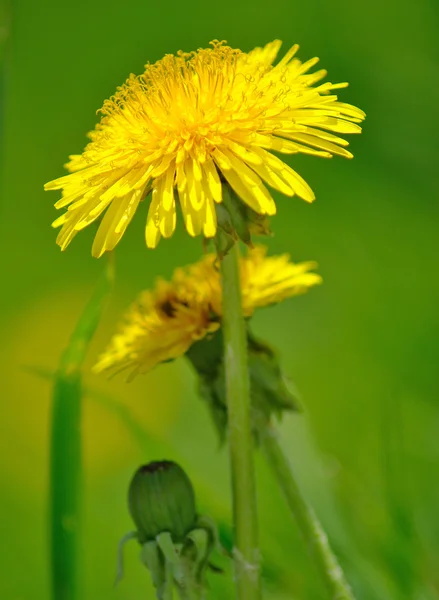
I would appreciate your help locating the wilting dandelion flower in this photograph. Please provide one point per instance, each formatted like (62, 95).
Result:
(161, 325)
(266, 280)
(192, 122)
(164, 323)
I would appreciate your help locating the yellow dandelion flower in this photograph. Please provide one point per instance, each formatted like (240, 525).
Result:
(161, 325)
(164, 323)
(191, 122)
(268, 280)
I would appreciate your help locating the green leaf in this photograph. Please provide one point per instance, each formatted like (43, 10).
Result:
(65, 457)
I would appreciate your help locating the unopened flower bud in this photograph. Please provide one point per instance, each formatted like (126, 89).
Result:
(161, 499)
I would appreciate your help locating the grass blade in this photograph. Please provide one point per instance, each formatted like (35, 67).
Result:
(65, 452)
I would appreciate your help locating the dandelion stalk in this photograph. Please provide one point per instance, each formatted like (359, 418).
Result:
(315, 537)
(65, 452)
(240, 432)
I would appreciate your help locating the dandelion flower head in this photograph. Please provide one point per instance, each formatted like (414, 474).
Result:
(161, 325)
(191, 122)
(164, 323)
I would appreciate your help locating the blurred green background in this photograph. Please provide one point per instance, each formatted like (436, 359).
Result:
(362, 348)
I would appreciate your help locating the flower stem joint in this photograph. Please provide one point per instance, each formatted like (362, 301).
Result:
(176, 542)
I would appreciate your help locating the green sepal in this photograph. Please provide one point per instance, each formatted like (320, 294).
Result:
(215, 403)
(207, 523)
(269, 389)
(258, 224)
(153, 561)
(236, 209)
(172, 557)
(270, 394)
(225, 235)
(132, 535)
(207, 356)
(195, 554)
(235, 221)
(199, 545)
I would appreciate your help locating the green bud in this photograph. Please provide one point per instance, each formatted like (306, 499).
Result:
(161, 499)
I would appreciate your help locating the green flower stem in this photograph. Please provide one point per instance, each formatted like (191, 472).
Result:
(191, 590)
(178, 569)
(65, 452)
(168, 587)
(315, 537)
(240, 432)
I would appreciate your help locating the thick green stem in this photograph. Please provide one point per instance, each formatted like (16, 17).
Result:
(315, 537)
(240, 432)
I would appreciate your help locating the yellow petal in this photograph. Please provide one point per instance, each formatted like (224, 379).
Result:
(152, 231)
(167, 190)
(68, 230)
(213, 180)
(253, 183)
(287, 57)
(273, 179)
(209, 219)
(168, 215)
(285, 172)
(117, 219)
(132, 202)
(318, 142)
(194, 187)
(267, 54)
(339, 125)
